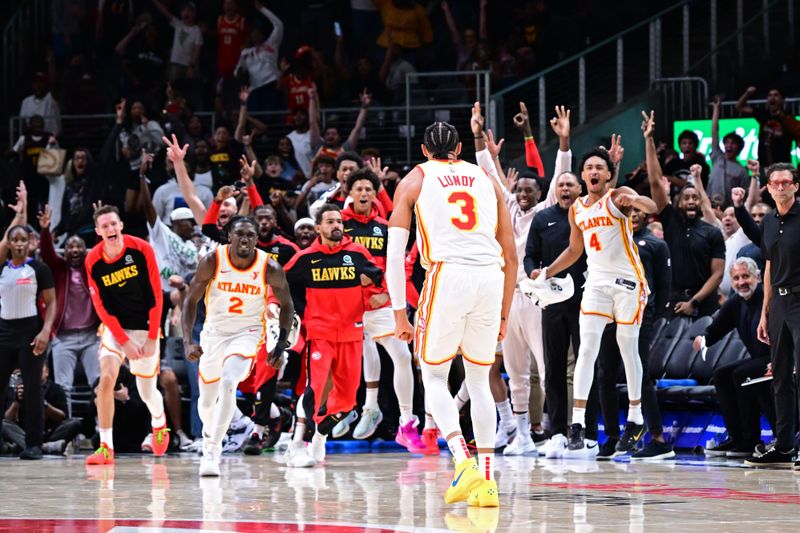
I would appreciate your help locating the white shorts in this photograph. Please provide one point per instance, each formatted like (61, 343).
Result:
(218, 346)
(379, 323)
(459, 307)
(109, 347)
(621, 304)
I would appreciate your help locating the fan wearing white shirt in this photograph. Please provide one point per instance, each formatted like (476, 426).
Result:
(261, 63)
(186, 42)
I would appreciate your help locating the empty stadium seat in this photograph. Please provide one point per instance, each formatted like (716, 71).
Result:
(664, 344)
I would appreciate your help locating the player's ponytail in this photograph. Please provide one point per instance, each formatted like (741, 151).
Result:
(440, 139)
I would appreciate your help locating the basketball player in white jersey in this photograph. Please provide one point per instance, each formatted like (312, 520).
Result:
(467, 247)
(235, 280)
(615, 290)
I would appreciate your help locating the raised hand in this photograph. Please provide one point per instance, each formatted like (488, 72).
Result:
(45, 216)
(522, 120)
(494, 148)
(174, 151)
(648, 124)
(374, 164)
(476, 120)
(248, 170)
(147, 162)
(696, 171)
(365, 98)
(120, 110)
(616, 151)
(244, 94)
(512, 175)
(754, 167)
(224, 192)
(737, 196)
(247, 140)
(560, 122)
(751, 90)
(22, 199)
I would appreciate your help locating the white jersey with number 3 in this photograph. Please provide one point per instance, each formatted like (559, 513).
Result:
(612, 257)
(457, 215)
(236, 300)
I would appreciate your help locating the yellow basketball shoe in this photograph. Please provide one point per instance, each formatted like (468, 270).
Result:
(484, 495)
(467, 477)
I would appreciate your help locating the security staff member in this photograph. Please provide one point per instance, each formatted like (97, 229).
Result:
(548, 237)
(696, 247)
(654, 254)
(780, 315)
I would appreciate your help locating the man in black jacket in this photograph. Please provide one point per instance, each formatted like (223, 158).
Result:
(655, 257)
(740, 405)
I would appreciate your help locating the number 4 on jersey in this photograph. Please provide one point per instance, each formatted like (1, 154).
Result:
(594, 242)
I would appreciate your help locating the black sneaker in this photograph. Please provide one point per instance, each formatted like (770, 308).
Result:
(633, 432)
(773, 458)
(276, 426)
(722, 449)
(797, 465)
(538, 437)
(653, 451)
(253, 445)
(32, 453)
(738, 451)
(576, 436)
(608, 450)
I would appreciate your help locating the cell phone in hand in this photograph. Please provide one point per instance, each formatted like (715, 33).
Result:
(337, 29)
(240, 185)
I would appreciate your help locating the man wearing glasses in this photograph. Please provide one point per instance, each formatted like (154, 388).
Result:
(780, 316)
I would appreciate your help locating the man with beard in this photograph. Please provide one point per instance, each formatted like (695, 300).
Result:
(76, 322)
(654, 254)
(305, 232)
(235, 279)
(696, 247)
(326, 281)
(740, 405)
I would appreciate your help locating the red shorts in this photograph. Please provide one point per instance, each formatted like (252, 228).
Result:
(342, 360)
(263, 371)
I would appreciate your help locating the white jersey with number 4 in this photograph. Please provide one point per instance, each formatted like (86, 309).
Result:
(236, 299)
(457, 215)
(612, 257)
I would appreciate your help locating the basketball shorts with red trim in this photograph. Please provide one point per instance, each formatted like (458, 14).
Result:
(459, 307)
(379, 323)
(623, 302)
(109, 347)
(218, 346)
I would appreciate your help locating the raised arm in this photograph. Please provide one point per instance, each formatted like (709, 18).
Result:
(164, 11)
(741, 104)
(244, 95)
(523, 124)
(754, 190)
(705, 203)
(624, 197)
(313, 119)
(743, 217)
(20, 217)
(715, 123)
(177, 155)
(654, 175)
(197, 288)
(275, 38)
(455, 35)
(352, 140)
(616, 153)
(46, 247)
(145, 199)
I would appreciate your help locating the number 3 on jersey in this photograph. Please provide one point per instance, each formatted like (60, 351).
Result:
(236, 305)
(469, 213)
(594, 242)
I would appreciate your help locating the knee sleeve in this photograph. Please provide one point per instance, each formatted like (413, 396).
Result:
(372, 361)
(482, 410)
(209, 392)
(148, 391)
(591, 327)
(628, 341)
(438, 399)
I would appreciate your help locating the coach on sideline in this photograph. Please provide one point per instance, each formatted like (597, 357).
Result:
(780, 315)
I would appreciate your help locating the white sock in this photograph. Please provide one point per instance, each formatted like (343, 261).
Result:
(406, 415)
(107, 437)
(458, 447)
(523, 424)
(371, 400)
(506, 415)
(635, 414)
(274, 412)
(299, 432)
(486, 463)
(429, 423)
(258, 430)
(579, 416)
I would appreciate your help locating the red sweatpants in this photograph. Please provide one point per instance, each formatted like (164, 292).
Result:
(343, 361)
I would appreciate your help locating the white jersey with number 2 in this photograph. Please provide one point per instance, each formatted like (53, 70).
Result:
(612, 257)
(457, 215)
(236, 299)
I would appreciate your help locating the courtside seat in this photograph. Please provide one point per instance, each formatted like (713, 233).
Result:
(664, 344)
(682, 359)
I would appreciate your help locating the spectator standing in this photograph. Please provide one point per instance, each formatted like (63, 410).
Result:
(465, 42)
(29, 146)
(144, 63)
(224, 157)
(780, 315)
(42, 103)
(260, 62)
(688, 143)
(330, 143)
(735, 240)
(697, 248)
(24, 336)
(776, 128)
(168, 197)
(726, 171)
(300, 137)
(406, 21)
(231, 33)
(186, 42)
(75, 327)
(740, 405)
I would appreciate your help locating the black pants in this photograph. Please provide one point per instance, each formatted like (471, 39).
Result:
(559, 327)
(741, 406)
(16, 351)
(784, 336)
(608, 365)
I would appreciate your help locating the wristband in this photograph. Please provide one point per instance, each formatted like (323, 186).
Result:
(528, 137)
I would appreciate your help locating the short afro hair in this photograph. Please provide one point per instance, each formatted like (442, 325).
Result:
(363, 174)
(602, 153)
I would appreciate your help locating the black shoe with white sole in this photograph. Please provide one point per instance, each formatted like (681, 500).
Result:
(654, 451)
(721, 449)
(773, 458)
(608, 450)
(633, 432)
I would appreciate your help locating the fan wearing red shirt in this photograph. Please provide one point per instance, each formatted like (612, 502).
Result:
(326, 282)
(125, 286)
(231, 29)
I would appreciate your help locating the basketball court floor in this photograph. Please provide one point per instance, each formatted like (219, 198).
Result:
(375, 492)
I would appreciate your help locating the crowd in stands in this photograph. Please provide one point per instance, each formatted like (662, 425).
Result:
(240, 59)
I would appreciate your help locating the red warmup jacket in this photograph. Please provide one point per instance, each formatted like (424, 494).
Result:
(326, 288)
(372, 232)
